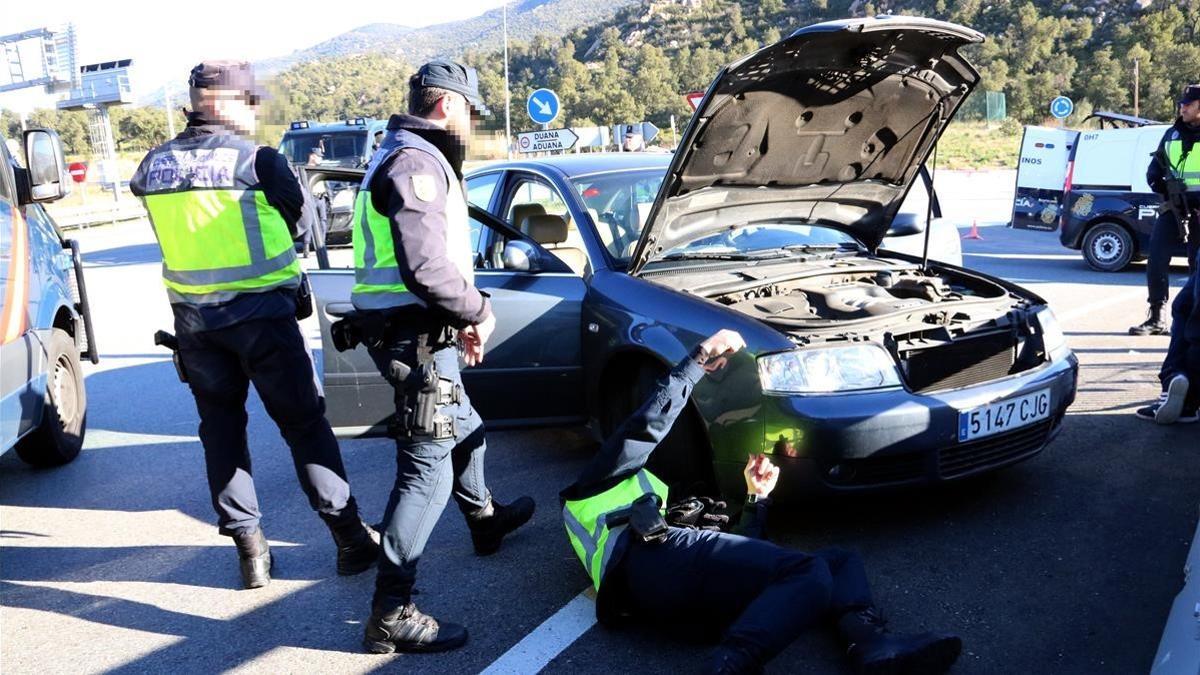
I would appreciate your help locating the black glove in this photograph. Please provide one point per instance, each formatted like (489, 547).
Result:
(699, 513)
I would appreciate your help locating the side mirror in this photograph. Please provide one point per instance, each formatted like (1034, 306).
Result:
(48, 179)
(521, 256)
(906, 224)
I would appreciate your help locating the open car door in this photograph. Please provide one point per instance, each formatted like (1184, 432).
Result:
(532, 368)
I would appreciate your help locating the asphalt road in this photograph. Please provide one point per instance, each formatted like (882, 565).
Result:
(1066, 563)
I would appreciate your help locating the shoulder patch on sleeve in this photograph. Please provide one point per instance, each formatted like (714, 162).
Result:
(424, 187)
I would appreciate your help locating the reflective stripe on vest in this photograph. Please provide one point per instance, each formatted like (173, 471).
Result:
(377, 280)
(591, 538)
(1189, 169)
(218, 235)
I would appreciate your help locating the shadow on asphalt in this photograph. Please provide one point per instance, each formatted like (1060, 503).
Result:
(1066, 562)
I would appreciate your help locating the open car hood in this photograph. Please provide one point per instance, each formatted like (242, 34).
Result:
(830, 125)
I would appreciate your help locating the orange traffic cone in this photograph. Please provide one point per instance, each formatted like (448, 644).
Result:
(974, 233)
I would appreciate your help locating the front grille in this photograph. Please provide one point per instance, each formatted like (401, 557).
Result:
(993, 450)
(955, 461)
(879, 470)
(961, 363)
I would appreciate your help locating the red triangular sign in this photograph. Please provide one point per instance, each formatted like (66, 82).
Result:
(694, 98)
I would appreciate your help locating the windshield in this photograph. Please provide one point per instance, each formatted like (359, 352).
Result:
(618, 204)
(765, 237)
(339, 148)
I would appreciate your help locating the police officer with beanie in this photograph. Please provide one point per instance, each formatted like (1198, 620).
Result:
(416, 302)
(1174, 159)
(683, 570)
(225, 212)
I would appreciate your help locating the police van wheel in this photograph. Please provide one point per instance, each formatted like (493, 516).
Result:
(59, 437)
(684, 458)
(1108, 247)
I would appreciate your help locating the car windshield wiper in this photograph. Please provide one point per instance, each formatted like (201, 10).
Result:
(808, 248)
(722, 255)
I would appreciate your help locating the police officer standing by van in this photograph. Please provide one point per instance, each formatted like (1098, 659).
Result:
(225, 212)
(415, 302)
(1177, 161)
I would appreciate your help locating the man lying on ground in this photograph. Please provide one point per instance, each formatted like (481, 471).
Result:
(759, 595)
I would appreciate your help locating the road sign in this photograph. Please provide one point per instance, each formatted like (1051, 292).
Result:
(592, 137)
(542, 106)
(646, 130)
(694, 98)
(1061, 107)
(78, 171)
(546, 141)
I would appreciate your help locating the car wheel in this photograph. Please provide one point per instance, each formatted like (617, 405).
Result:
(683, 459)
(58, 439)
(1108, 247)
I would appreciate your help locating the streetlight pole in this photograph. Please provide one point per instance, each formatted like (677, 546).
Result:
(507, 97)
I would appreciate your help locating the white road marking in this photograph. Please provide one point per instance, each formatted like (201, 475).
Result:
(98, 439)
(536, 650)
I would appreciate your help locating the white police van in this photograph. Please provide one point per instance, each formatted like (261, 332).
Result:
(1090, 186)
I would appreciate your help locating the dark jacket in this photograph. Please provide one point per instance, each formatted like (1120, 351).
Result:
(628, 449)
(419, 224)
(1155, 174)
(282, 191)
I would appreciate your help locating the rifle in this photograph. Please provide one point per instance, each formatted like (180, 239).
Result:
(1176, 196)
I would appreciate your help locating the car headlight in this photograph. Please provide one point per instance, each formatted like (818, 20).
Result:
(830, 369)
(1052, 334)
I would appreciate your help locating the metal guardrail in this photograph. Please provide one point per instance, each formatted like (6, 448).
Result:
(76, 217)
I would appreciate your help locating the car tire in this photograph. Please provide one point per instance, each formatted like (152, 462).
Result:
(1108, 247)
(59, 437)
(683, 459)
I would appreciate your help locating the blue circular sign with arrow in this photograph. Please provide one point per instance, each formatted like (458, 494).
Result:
(542, 106)
(1061, 107)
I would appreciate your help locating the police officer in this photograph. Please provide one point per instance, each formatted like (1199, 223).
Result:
(1173, 156)
(1180, 372)
(225, 213)
(412, 244)
(688, 573)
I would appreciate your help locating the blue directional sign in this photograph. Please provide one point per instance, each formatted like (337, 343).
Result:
(542, 106)
(1061, 107)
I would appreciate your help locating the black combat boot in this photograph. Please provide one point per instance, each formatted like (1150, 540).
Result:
(357, 544)
(489, 524)
(1153, 325)
(871, 649)
(406, 629)
(254, 558)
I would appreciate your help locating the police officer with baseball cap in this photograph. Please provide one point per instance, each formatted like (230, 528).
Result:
(1173, 160)
(415, 302)
(225, 212)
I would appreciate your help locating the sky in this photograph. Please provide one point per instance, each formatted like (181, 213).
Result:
(166, 39)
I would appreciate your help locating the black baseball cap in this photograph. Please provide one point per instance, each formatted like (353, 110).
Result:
(1190, 93)
(235, 75)
(453, 77)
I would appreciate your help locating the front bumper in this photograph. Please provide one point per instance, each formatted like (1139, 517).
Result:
(870, 441)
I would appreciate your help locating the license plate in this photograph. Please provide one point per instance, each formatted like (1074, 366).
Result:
(1011, 413)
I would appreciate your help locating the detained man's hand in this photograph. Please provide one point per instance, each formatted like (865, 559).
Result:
(761, 476)
(714, 349)
(473, 338)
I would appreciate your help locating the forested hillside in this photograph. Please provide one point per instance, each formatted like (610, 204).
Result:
(635, 64)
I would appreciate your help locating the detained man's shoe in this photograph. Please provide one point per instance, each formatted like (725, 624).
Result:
(406, 629)
(730, 661)
(490, 524)
(1153, 325)
(873, 651)
(1171, 403)
(254, 558)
